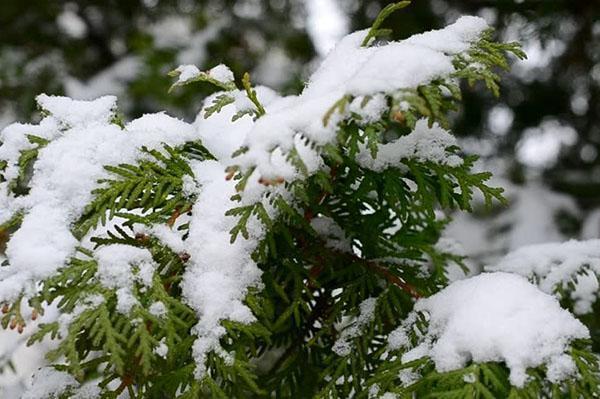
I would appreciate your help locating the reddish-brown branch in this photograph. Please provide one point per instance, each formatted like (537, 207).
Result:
(382, 271)
(126, 381)
(176, 213)
(3, 240)
(392, 278)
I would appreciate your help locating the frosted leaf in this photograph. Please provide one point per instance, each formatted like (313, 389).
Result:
(186, 73)
(221, 73)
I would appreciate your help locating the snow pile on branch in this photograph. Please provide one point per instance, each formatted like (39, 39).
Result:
(120, 267)
(555, 266)
(424, 143)
(217, 281)
(353, 70)
(495, 317)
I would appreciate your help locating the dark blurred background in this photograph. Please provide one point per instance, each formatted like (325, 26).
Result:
(541, 136)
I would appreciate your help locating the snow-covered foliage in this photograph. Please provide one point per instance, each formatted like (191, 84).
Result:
(288, 235)
(569, 270)
(482, 319)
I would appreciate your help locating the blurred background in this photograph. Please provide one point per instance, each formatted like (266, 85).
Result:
(541, 137)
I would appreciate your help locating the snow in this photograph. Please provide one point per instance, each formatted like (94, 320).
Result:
(454, 38)
(171, 31)
(540, 146)
(591, 225)
(219, 134)
(48, 382)
(112, 80)
(74, 113)
(158, 309)
(70, 23)
(342, 346)
(83, 142)
(326, 22)
(351, 70)
(424, 143)
(332, 233)
(219, 273)
(162, 349)
(175, 31)
(529, 219)
(371, 111)
(221, 73)
(475, 320)
(187, 73)
(556, 265)
(120, 267)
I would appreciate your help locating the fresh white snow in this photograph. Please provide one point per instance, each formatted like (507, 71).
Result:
(498, 317)
(556, 265)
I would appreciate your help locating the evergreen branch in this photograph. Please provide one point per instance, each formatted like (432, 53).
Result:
(375, 30)
(251, 94)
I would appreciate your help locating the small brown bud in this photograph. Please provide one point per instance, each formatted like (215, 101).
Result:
(184, 256)
(13, 324)
(5, 308)
(230, 175)
(20, 328)
(398, 116)
(34, 314)
(141, 237)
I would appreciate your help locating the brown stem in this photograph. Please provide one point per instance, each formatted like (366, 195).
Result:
(126, 381)
(176, 213)
(382, 271)
(392, 278)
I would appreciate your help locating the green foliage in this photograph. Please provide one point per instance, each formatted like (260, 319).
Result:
(313, 285)
(26, 160)
(375, 30)
(485, 380)
(251, 94)
(154, 186)
(202, 77)
(480, 60)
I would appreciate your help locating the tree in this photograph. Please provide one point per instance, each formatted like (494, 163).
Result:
(282, 246)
